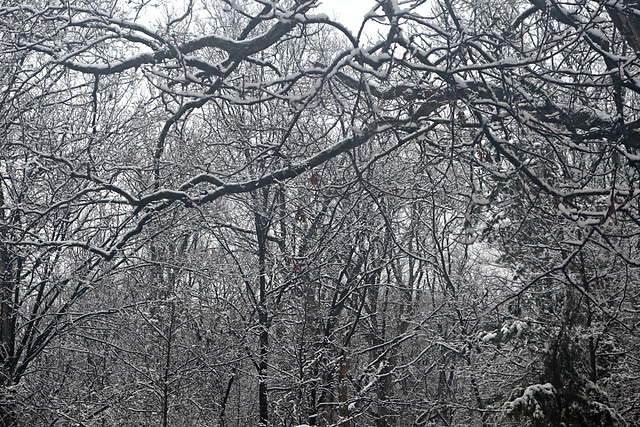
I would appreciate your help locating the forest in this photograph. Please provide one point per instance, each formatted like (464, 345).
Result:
(245, 213)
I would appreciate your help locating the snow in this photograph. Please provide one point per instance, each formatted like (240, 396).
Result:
(490, 336)
(478, 200)
(515, 329)
(529, 399)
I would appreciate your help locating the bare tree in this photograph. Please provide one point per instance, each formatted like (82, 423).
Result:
(462, 190)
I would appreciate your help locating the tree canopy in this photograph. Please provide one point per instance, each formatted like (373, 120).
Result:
(221, 212)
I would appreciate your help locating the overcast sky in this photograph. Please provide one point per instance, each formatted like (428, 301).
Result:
(348, 12)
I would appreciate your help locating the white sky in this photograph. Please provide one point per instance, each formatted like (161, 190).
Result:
(349, 12)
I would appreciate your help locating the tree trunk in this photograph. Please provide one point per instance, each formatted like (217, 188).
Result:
(7, 326)
(263, 318)
(166, 395)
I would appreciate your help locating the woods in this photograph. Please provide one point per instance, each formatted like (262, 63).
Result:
(240, 212)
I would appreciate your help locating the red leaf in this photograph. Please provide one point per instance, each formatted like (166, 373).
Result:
(612, 211)
(487, 157)
(300, 216)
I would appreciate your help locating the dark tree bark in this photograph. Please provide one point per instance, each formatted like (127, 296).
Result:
(262, 228)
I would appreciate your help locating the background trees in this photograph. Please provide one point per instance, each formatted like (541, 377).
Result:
(239, 212)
